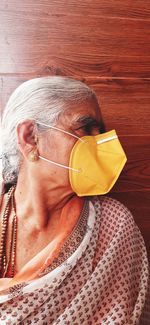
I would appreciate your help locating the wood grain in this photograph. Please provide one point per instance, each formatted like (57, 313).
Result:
(24, 47)
(136, 173)
(118, 8)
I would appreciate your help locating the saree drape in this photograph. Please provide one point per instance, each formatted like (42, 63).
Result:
(100, 277)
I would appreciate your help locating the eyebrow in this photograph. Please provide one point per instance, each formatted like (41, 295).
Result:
(90, 121)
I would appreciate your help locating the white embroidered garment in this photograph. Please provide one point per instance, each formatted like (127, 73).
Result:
(101, 279)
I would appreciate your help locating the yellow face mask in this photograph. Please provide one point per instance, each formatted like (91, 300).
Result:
(95, 162)
(99, 160)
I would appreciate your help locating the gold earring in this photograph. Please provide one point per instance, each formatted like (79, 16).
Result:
(33, 155)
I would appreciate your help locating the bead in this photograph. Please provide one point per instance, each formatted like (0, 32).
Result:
(4, 264)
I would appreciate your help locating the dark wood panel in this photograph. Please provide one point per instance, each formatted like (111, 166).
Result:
(136, 173)
(124, 102)
(85, 65)
(95, 65)
(24, 47)
(139, 9)
(138, 203)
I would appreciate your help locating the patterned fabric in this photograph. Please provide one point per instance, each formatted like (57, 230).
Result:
(104, 281)
(145, 316)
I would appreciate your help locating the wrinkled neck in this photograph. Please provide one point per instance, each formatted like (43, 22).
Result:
(39, 199)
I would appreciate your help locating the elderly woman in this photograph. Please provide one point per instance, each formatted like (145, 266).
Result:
(69, 254)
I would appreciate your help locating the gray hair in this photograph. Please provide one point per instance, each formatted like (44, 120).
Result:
(41, 99)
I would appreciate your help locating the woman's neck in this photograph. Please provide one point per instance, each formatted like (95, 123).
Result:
(40, 201)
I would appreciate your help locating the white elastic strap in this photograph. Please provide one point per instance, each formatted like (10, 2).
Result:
(107, 139)
(60, 165)
(55, 128)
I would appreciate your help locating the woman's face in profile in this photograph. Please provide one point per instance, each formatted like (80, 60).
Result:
(56, 146)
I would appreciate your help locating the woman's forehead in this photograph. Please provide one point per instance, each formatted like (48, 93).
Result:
(79, 114)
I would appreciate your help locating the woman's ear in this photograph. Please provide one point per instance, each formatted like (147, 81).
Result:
(27, 137)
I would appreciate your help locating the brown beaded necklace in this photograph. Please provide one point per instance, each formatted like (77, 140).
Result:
(7, 265)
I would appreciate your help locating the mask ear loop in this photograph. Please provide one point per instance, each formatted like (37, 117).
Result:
(60, 165)
(58, 129)
(52, 162)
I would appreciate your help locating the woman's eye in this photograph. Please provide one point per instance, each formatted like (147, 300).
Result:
(89, 129)
(89, 126)
(93, 127)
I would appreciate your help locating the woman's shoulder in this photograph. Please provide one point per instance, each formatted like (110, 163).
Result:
(110, 203)
(117, 225)
(114, 211)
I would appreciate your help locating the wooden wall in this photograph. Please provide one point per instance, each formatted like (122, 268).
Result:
(105, 43)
